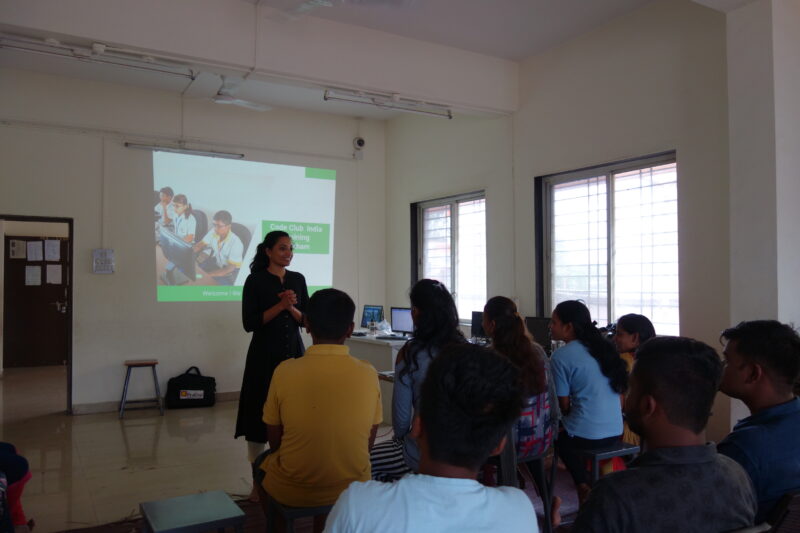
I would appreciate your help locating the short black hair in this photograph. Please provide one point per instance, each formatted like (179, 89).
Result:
(773, 345)
(223, 216)
(330, 312)
(470, 398)
(168, 191)
(683, 375)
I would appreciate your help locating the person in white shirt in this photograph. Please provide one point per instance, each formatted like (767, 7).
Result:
(226, 248)
(470, 398)
(185, 228)
(185, 222)
(164, 208)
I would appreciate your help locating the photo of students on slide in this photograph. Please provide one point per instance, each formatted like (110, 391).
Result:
(225, 248)
(165, 212)
(186, 229)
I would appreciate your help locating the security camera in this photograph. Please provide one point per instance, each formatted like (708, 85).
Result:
(359, 143)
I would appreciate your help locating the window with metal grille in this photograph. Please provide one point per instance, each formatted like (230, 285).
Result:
(611, 240)
(451, 248)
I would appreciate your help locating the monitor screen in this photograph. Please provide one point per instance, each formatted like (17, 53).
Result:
(539, 326)
(401, 320)
(477, 325)
(372, 313)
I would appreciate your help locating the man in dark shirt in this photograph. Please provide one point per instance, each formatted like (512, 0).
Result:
(763, 363)
(679, 483)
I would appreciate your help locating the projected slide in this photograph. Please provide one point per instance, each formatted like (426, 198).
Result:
(211, 213)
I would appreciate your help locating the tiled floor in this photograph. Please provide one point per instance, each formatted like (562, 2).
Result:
(95, 469)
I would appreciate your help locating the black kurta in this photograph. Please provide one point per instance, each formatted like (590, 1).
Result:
(273, 342)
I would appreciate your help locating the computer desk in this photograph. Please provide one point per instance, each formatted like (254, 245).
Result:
(381, 354)
(161, 267)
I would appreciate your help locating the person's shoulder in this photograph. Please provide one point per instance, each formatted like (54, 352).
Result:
(728, 466)
(370, 494)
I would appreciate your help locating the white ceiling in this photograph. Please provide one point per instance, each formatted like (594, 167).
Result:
(511, 29)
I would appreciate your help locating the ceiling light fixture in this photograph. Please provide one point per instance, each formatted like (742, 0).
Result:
(388, 101)
(183, 150)
(96, 53)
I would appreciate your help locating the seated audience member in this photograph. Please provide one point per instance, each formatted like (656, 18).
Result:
(631, 332)
(435, 318)
(469, 400)
(322, 412)
(680, 483)
(227, 250)
(17, 473)
(589, 377)
(762, 364)
(511, 339)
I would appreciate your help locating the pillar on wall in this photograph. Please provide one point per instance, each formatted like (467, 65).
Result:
(764, 142)
(764, 130)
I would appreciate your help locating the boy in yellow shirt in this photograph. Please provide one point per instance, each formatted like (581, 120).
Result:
(322, 413)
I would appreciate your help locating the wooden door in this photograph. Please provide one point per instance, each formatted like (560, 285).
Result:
(35, 324)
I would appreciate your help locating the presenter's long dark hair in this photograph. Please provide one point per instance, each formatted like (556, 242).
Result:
(260, 260)
(436, 324)
(511, 338)
(611, 364)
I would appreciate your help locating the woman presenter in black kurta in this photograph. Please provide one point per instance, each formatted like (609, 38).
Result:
(273, 300)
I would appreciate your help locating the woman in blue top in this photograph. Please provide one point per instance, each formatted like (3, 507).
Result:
(435, 325)
(590, 377)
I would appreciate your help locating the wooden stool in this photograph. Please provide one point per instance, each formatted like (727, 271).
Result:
(138, 363)
(290, 514)
(622, 449)
(192, 514)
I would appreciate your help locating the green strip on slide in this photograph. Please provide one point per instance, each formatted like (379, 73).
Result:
(199, 293)
(314, 288)
(320, 173)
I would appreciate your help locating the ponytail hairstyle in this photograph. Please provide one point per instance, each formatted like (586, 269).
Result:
(436, 324)
(611, 364)
(181, 199)
(260, 260)
(512, 339)
(639, 324)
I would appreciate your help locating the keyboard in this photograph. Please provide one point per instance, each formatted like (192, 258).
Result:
(391, 338)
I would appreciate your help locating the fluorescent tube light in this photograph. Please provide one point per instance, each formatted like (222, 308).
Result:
(388, 101)
(181, 150)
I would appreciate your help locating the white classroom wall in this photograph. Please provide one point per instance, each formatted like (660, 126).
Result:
(429, 158)
(650, 81)
(63, 156)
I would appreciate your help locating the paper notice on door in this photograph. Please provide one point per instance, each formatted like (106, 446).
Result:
(33, 275)
(35, 251)
(52, 250)
(17, 250)
(54, 274)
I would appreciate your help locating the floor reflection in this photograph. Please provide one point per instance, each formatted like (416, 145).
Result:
(95, 469)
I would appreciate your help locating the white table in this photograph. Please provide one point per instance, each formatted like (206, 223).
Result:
(381, 354)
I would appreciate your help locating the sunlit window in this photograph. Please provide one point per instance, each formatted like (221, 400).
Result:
(636, 269)
(452, 248)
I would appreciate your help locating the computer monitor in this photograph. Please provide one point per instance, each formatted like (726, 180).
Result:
(401, 320)
(178, 252)
(539, 326)
(477, 325)
(372, 313)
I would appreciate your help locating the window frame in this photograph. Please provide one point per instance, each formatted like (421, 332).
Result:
(417, 231)
(543, 196)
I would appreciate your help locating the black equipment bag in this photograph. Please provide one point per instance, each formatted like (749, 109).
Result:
(191, 390)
